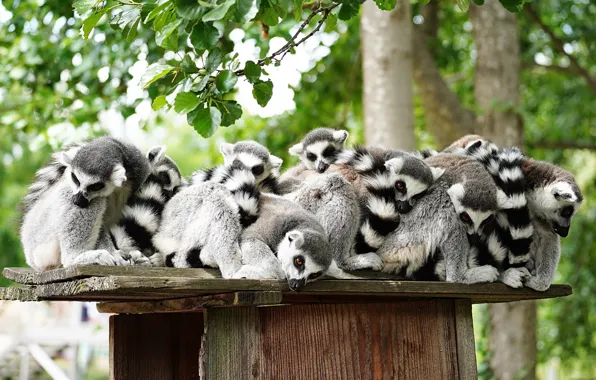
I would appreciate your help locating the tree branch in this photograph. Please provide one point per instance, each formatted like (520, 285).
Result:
(446, 118)
(561, 145)
(559, 46)
(292, 43)
(568, 70)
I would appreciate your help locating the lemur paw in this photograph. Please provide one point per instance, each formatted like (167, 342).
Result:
(99, 257)
(252, 272)
(137, 259)
(485, 273)
(364, 261)
(514, 277)
(157, 260)
(534, 283)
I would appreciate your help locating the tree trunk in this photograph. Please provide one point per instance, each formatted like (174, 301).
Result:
(512, 333)
(387, 76)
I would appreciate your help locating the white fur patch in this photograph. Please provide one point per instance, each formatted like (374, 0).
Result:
(499, 252)
(564, 190)
(151, 191)
(522, 233)
(317, 148)
(370, 236)
(381, 208)
(379, 181)
(345, 157)
(511, 174)
(143, 216)
(395, 164)
(363, 163)
(239, 179)
(247, 203)
(296, 150)
(414, 186)
(118, 176)
(340, 136)
(249, 160)
(47, 256)
(506, 202)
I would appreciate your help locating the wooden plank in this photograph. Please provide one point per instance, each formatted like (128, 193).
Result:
(466, 349)
(356, 341)
(155, 346)
(233, 299)
(158, 288)
(32, 277)
(18, 293)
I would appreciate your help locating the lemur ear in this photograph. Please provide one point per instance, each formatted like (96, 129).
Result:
(340, 136)
(65, 157)
(275, 161)
(296, 150)
(118, 176)
(155, 154)
(437, 172)
(226, 149)
(474, 144)
(395, 164)
(456, 191)
(296, 238)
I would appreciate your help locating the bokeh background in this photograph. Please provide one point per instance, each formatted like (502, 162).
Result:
(56, 88)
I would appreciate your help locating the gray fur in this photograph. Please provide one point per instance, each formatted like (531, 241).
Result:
(320, 148)
(55, 230)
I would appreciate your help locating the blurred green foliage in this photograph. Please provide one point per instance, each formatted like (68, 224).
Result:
(51, 76)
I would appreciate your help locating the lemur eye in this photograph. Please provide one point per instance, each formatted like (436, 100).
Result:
(329, 152)
(311, 156)
(566, 212)
(258, 169)
(96, 186)
(75, 179)
(164, 178)
(299, 262)
(400, 186)
(465, 217)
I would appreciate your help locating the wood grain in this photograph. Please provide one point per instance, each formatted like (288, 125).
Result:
(408, 340)
(466, 349)
(155, 346)
(158, 288)
(233, 299)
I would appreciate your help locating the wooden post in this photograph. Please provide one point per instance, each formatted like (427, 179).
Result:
(155, 346)
(429, 339)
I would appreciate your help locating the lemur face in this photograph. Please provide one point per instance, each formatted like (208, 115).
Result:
(252, 156)
(410, 178)
(320, 148)
(304, 258)
(473, 218)
(164, 171)
(556, 203)
(86, 186)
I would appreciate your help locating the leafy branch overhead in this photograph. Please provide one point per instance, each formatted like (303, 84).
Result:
(198, 82)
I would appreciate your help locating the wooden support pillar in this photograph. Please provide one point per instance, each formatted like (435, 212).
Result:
(155, 346)
(427, 339)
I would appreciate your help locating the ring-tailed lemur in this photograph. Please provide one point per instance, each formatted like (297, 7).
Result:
(245, 158)
(390, 183)
(553, 198)
(320, 148)
(63, 223)
(431, 241)
(141, 216)
(286, 242)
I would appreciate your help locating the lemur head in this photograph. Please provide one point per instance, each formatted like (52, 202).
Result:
(475, 146)
(164, 171)
(320, 147)
(410, 177)
(553, 195)
(94, 170)
(252, 156)
(471, 189)
(304, 256)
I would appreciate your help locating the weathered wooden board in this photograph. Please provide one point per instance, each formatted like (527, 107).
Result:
(159, 288)
(409, 340)
(28, 276)
(155, 346)
(234, 299)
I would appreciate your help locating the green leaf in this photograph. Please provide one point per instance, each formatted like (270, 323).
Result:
(252, 71)
(159, 9)
(463, 5)
(206, 4)
(163, 19)
(91, 21)
(245, 10)
(204, 36)
(200, 85)
(163, 37)
(219, 12)
(298, 10)
(205, 120)
(478, 2)
(159, 102)
(213, 60)
(230, 112)
(155, 72)
(188, 65)
(268, 15)
(513, 5)
(331, 22)
(189, 9)
(131, 33)
(126, 17)
(388, 5)
(82, 6)
(186, 102)
(225, 81)
(262, 92)
(348, 11)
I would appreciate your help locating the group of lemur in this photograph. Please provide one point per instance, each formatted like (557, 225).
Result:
(471, 213)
